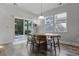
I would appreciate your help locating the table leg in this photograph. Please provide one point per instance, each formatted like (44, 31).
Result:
(54, 46)
(58, 44)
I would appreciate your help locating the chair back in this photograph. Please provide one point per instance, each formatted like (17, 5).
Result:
(41, 38)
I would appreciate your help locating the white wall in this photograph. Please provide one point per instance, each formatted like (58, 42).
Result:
(72, 34)
(7, 27)
(7, 22)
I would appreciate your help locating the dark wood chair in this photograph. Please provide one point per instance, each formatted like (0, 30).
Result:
(39, 42)
(56, 43)
(29, 39)
(53, 42)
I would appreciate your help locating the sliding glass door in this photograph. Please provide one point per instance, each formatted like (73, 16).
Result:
(27, 26)
(22, 27)
(18, 26)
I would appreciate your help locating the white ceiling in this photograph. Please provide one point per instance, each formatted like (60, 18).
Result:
(35, 8)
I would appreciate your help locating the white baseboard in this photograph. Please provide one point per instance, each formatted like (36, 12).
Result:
(20, 42)
(69, 43)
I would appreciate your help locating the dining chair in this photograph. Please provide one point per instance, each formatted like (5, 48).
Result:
(29, 39)
(49, 41)
(53, 42)
(39, 41)
(56, 43)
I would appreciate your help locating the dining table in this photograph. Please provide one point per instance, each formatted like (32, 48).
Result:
(54, 37)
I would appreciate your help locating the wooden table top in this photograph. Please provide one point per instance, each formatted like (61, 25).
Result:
(47, 34)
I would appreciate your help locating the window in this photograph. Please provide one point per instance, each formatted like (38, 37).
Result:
(61, 22)
(56, 23)
(49, 24)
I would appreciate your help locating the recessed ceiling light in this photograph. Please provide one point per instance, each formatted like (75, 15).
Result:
(15, 4)
(59, 3)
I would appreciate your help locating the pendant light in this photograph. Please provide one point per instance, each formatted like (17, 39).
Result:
(41, 16)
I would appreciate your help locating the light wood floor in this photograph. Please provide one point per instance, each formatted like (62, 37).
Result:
(22, 50)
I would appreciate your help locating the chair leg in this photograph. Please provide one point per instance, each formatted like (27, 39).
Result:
(33, 44)
(51, 45)
(45, 46)
(39, 48)
(27, 43)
